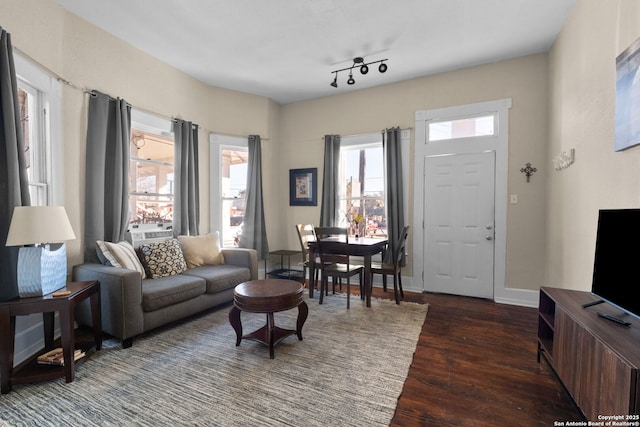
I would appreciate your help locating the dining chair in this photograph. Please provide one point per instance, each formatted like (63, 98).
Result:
(394, 267)
(335, 259)
(307, 234)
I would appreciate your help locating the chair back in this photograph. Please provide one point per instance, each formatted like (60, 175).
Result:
(306, 234)
(333, 245)
(400, 247)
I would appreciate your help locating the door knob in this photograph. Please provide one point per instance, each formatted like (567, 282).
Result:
(489, 227)
(489, 237)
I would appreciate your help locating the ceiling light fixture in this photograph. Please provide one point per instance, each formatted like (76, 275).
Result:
(358, 61)
(351, 81)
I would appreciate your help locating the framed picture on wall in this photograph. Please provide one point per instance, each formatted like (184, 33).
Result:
(303, 187)
(627, 120)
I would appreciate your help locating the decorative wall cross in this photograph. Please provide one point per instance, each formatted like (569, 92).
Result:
(528, 171)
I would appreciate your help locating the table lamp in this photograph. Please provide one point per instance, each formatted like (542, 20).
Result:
(42, 269)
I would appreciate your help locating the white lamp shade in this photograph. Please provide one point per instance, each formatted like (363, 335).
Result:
(39, 224)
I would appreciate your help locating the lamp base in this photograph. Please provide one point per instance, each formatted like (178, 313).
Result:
(41, 270)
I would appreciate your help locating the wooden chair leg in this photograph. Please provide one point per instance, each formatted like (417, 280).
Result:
(384, 282)
(322, 287)
(395, 288)
(304, 277)
(348, 293)
(400, 283)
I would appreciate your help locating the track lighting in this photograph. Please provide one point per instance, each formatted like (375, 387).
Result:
(358, 61)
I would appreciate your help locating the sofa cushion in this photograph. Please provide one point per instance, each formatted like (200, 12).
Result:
(121, 255)
(220, 277)
(202, 250)
(166, 291)
(162, 259)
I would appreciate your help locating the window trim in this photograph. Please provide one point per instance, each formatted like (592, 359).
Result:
(217, 143)
(357, 143)
(372, 138)
(50, 90)
(151, 123)
(478, 115)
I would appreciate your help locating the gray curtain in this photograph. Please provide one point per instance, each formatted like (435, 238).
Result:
(391, 145)
(107, 172)
(330, 200)
(254, 232)
(186, 203)
(14, 184)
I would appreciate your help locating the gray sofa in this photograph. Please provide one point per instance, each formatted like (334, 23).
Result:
(132, 305)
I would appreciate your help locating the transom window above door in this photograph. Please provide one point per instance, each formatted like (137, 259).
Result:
(468, 127)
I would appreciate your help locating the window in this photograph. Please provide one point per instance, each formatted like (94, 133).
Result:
(31, 113)
(483, 125)
(39, 104)
(40, 115)
(362, 184)
(229, 163)
(151, 178)
(234, 191)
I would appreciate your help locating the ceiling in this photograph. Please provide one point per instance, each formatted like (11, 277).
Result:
(286, 50)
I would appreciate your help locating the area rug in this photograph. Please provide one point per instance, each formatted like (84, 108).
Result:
(349, 370)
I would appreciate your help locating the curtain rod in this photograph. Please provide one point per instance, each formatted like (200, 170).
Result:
(233, 135)
(365, 134)
(153, 113)
(66, 82)
(55, 75)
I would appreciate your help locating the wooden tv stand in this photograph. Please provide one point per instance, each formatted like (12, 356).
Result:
(595, 359)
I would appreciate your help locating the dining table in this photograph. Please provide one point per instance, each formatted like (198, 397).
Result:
(365, 247)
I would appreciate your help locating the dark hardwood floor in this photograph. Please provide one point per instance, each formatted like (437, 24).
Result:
(476, 365)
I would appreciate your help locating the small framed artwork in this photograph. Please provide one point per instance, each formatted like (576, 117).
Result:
(303, 187)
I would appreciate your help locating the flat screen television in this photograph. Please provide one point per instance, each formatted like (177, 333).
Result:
(616, 268)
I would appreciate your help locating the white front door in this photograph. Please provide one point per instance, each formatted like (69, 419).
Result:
(459, 223)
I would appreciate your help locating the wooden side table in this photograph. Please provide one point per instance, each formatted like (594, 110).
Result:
(31, 371)
(283, 272)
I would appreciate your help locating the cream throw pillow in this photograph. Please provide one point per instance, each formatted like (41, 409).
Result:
(202, 250)
(121, 255)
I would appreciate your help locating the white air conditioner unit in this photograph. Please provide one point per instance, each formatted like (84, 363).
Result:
(147, 233)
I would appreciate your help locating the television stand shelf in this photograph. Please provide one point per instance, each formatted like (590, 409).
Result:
(596, 360)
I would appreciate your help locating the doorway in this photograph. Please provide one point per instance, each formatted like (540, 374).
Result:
(460, 199)
(459, 223)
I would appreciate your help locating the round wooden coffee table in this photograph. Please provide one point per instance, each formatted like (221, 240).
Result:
(268, 296)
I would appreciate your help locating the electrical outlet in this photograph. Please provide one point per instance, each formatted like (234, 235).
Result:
(514, 199)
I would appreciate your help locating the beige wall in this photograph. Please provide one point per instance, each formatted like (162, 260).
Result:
(91, 59)
(581, 111)
(371, 110)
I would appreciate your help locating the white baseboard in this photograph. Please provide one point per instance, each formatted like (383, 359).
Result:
(511, 296)
(522, 297)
